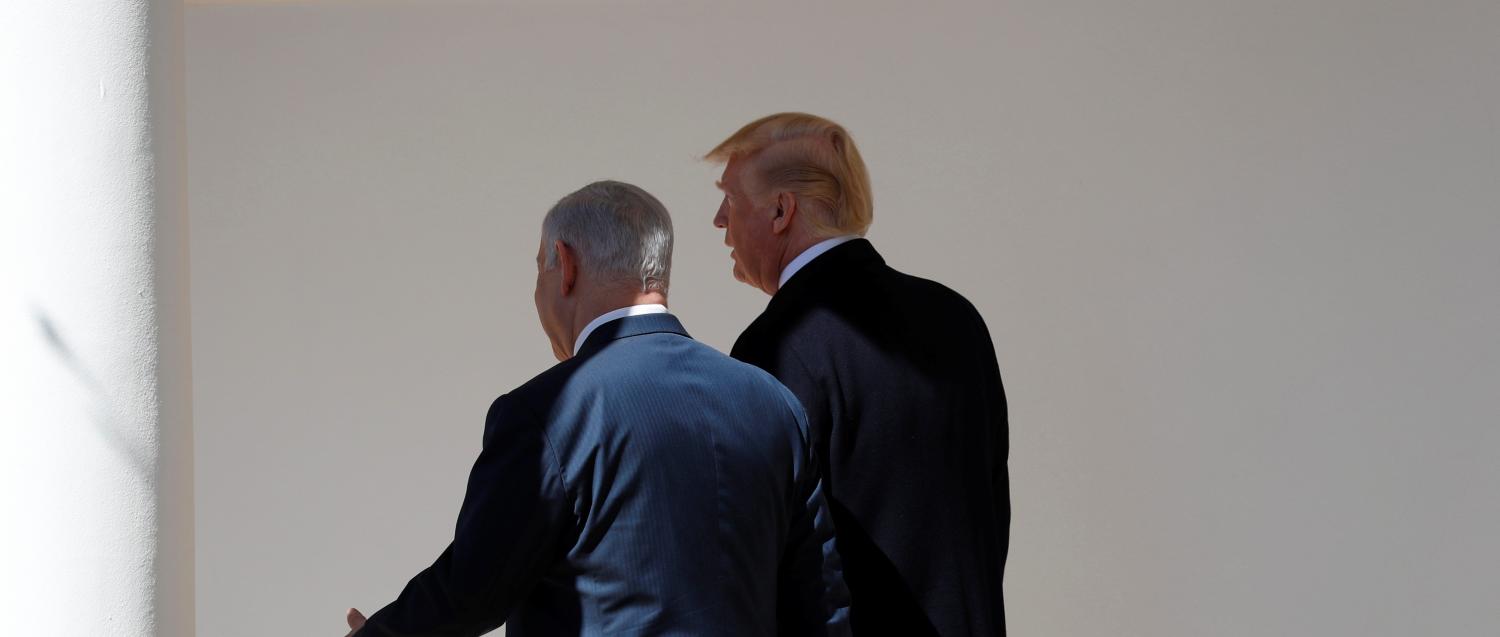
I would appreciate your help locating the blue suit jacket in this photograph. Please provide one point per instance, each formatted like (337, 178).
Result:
(649, 485)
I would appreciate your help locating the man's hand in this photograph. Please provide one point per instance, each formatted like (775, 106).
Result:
(356, 621)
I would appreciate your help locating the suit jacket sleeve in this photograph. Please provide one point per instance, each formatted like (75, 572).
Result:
(999, 423)
(776, 357)
(812, 599)
(509, 531)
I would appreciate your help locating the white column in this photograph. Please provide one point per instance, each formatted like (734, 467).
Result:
(96, 534)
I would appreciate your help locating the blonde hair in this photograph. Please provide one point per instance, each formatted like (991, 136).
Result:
(816, 160)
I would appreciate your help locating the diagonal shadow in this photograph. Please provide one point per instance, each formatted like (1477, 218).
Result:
(102, 411)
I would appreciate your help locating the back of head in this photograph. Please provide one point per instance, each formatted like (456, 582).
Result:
(621, 233)
(813, 158)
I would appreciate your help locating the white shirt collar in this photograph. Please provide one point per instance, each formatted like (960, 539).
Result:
(634, 310)
(809, 254)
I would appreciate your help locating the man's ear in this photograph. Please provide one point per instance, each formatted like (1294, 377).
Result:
(567, 264)
(786, 212)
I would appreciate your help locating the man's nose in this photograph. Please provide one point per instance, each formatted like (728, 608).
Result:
(721, 220)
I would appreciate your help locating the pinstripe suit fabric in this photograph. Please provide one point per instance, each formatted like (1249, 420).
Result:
(650, 485)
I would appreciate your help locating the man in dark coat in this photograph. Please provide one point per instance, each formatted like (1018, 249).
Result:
(898, 376)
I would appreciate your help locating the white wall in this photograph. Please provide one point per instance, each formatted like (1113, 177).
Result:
(1239, 260)
(96, 448)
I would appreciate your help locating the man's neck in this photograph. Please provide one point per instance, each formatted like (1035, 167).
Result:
(596, 307)
(794, 249)
(790, 260)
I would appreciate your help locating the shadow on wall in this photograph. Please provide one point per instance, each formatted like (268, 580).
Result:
(106, 419)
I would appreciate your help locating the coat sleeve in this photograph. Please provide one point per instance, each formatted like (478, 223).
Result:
(812, 597)
(510, 530)
(999, 423)
(776, 357)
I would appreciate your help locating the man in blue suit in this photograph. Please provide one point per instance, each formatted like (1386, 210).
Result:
(645, 485)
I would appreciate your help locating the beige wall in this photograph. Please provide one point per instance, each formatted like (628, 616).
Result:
(1239, 260)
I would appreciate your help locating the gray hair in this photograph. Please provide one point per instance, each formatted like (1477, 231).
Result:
(619, 231)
